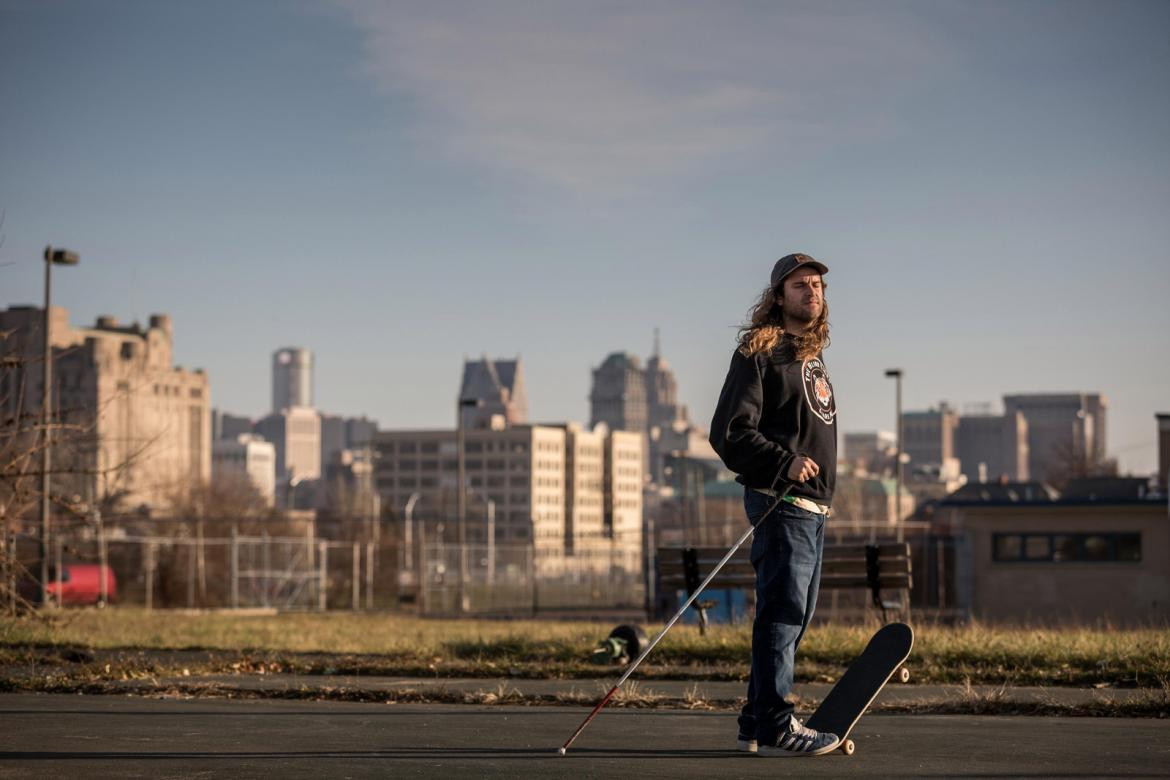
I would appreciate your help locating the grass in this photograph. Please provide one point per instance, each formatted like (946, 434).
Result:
(400, 645)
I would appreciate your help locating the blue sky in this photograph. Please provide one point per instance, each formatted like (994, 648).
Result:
(397, 185)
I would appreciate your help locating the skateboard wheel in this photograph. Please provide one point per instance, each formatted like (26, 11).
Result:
(847, 747)
(903, 675)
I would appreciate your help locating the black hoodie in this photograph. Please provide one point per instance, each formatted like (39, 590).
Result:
(774, 407)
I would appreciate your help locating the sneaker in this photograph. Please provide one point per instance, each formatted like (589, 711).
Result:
(745, 744)
(800, 740)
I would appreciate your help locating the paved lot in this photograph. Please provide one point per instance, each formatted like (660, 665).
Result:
(112, 736)
(717, 691)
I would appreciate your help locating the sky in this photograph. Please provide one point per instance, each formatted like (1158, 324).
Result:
(397, 186)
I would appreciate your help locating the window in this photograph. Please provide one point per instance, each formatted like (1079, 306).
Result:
(1066, 548)
(1127, 548)
(1037, 548)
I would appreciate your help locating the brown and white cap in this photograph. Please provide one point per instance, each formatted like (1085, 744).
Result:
(789, 263)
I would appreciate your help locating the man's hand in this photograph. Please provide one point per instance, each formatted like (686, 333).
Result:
(802, 469)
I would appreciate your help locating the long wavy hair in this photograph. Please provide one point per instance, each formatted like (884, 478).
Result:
(765, 326)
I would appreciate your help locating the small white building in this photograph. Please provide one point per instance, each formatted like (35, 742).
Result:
(246, 457)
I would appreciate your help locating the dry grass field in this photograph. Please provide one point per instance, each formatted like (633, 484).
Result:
(394, 644)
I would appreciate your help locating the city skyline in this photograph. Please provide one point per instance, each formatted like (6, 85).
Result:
(391, 188)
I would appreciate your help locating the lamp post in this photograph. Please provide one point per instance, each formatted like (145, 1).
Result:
(58, 257)
(896, 374)
(461, 496)
(408, 535)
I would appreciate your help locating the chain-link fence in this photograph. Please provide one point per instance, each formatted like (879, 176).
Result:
(199, 572)
(517, 579)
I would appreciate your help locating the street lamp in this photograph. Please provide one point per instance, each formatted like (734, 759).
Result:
(896, 374)
(57, 257)
(408, 536)
(461, 496)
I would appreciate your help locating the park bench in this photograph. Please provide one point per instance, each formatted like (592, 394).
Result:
(877, 568)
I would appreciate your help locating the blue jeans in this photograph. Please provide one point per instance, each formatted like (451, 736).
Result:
(786, 554)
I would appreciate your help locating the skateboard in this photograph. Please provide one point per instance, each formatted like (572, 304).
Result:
(887, 650)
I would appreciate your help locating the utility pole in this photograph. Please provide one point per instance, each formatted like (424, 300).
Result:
(896, 374)
(461, 498)
(58, 257)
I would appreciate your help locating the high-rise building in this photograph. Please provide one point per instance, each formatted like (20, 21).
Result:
(137, 427)
(349, 485)
(295, 432)
(359, 432)
(247, 457)
(662, 406)
(624, 456)
(584, 486)
(228, 426)
(292, 378)
(1163, 450)
(929, 436)
(333, 438)
(344, 433)
(991, 447)
(1066, 431)
(618, 397)
(497, 389)
(868, 452)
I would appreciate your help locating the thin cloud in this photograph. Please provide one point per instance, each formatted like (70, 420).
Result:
(598, 96)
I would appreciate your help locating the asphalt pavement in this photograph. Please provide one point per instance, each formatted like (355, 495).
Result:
(718, 692)
(44, 735)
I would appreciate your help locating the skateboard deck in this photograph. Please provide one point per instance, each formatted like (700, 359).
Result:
(887, 650)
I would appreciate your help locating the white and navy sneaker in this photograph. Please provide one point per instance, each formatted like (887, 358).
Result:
(745, 744)
(800, 740)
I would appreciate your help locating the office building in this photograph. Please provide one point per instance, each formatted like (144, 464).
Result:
(1066, 432)
(295, 432)
(228, 426)
(292, 378)
(868, 452)
(247, 457)
(627, 397)
(929, 437)
(1163, 451)
(618, 396)
(492, 393)
(561, 489)
(993, 447)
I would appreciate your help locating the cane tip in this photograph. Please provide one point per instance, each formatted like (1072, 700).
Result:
(560, 751)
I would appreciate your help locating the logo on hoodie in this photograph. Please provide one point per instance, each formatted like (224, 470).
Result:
(818, 390)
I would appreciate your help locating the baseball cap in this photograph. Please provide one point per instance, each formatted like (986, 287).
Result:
(789, 263)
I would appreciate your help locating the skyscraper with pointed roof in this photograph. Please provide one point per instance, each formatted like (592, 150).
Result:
(662, 407)
(497, 388)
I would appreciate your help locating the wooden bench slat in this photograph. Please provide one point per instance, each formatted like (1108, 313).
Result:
(731, 583)
(732, 567)
(835, 582)
(831, 551)
(828, 582)
(846, 566)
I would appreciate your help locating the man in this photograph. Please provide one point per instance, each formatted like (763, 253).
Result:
(775, 428)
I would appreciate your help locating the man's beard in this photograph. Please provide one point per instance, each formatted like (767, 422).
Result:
(805, 315)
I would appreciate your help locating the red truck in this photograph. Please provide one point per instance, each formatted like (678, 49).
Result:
(80, 583)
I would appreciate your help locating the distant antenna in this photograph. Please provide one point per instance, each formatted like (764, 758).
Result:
(657, 346)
